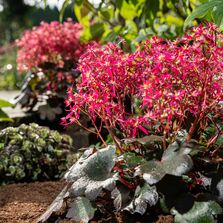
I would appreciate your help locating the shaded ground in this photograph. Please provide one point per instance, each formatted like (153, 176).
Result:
(24, 203)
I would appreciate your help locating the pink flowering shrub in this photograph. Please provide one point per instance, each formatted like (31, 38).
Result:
(109, 79)
(184, 83)
(50, 43)
(50, 53)
(176, 84)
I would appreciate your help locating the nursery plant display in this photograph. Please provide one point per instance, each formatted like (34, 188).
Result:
(162, 105)
(48, 54)
(31, 152)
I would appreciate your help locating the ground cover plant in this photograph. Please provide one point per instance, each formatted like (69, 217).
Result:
(48, 54)
(162, 105)
(31, 152)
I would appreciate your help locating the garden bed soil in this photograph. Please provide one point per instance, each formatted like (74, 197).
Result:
(25, 202)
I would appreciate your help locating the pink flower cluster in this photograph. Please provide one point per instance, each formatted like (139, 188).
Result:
(170, 84)
(53, 43)
(185, 78)
(108, 80)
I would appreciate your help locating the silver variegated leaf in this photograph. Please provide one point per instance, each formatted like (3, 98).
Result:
(81, 210)
(92, 173)
(144, 196)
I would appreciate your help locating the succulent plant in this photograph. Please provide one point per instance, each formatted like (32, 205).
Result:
(31, 152)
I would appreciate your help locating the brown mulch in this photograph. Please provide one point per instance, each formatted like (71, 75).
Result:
(25, 202)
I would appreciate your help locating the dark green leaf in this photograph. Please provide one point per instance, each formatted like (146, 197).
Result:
(151, 8)
(214, 6)
(79, 2)
(217, 13)
(97, 30)
(201, 212)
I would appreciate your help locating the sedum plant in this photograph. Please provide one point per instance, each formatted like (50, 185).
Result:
(31, 152)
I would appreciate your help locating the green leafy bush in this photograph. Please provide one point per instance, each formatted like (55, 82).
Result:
(133, 20)
(179, 181)
(30, 152)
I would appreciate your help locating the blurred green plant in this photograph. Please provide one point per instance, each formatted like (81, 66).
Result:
(31, 152)
(9, 79)
(3, 115)
(132, 20)
(16, 16)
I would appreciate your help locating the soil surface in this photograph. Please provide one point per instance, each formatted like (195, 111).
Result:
(25, 202)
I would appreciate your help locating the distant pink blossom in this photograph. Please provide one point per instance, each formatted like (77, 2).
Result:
(52, 43)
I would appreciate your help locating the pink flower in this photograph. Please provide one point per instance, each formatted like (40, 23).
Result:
(165, 85)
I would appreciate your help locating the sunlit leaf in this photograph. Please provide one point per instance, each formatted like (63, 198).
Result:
(64, 6)
(4, 103)
(81, 210)
(128, 10)
(215, 7)
(145, 195)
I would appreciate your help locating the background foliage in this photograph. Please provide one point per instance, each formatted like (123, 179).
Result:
(16, 17)
(133, 20)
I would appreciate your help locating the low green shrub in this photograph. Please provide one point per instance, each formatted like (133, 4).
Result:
(31, 152)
